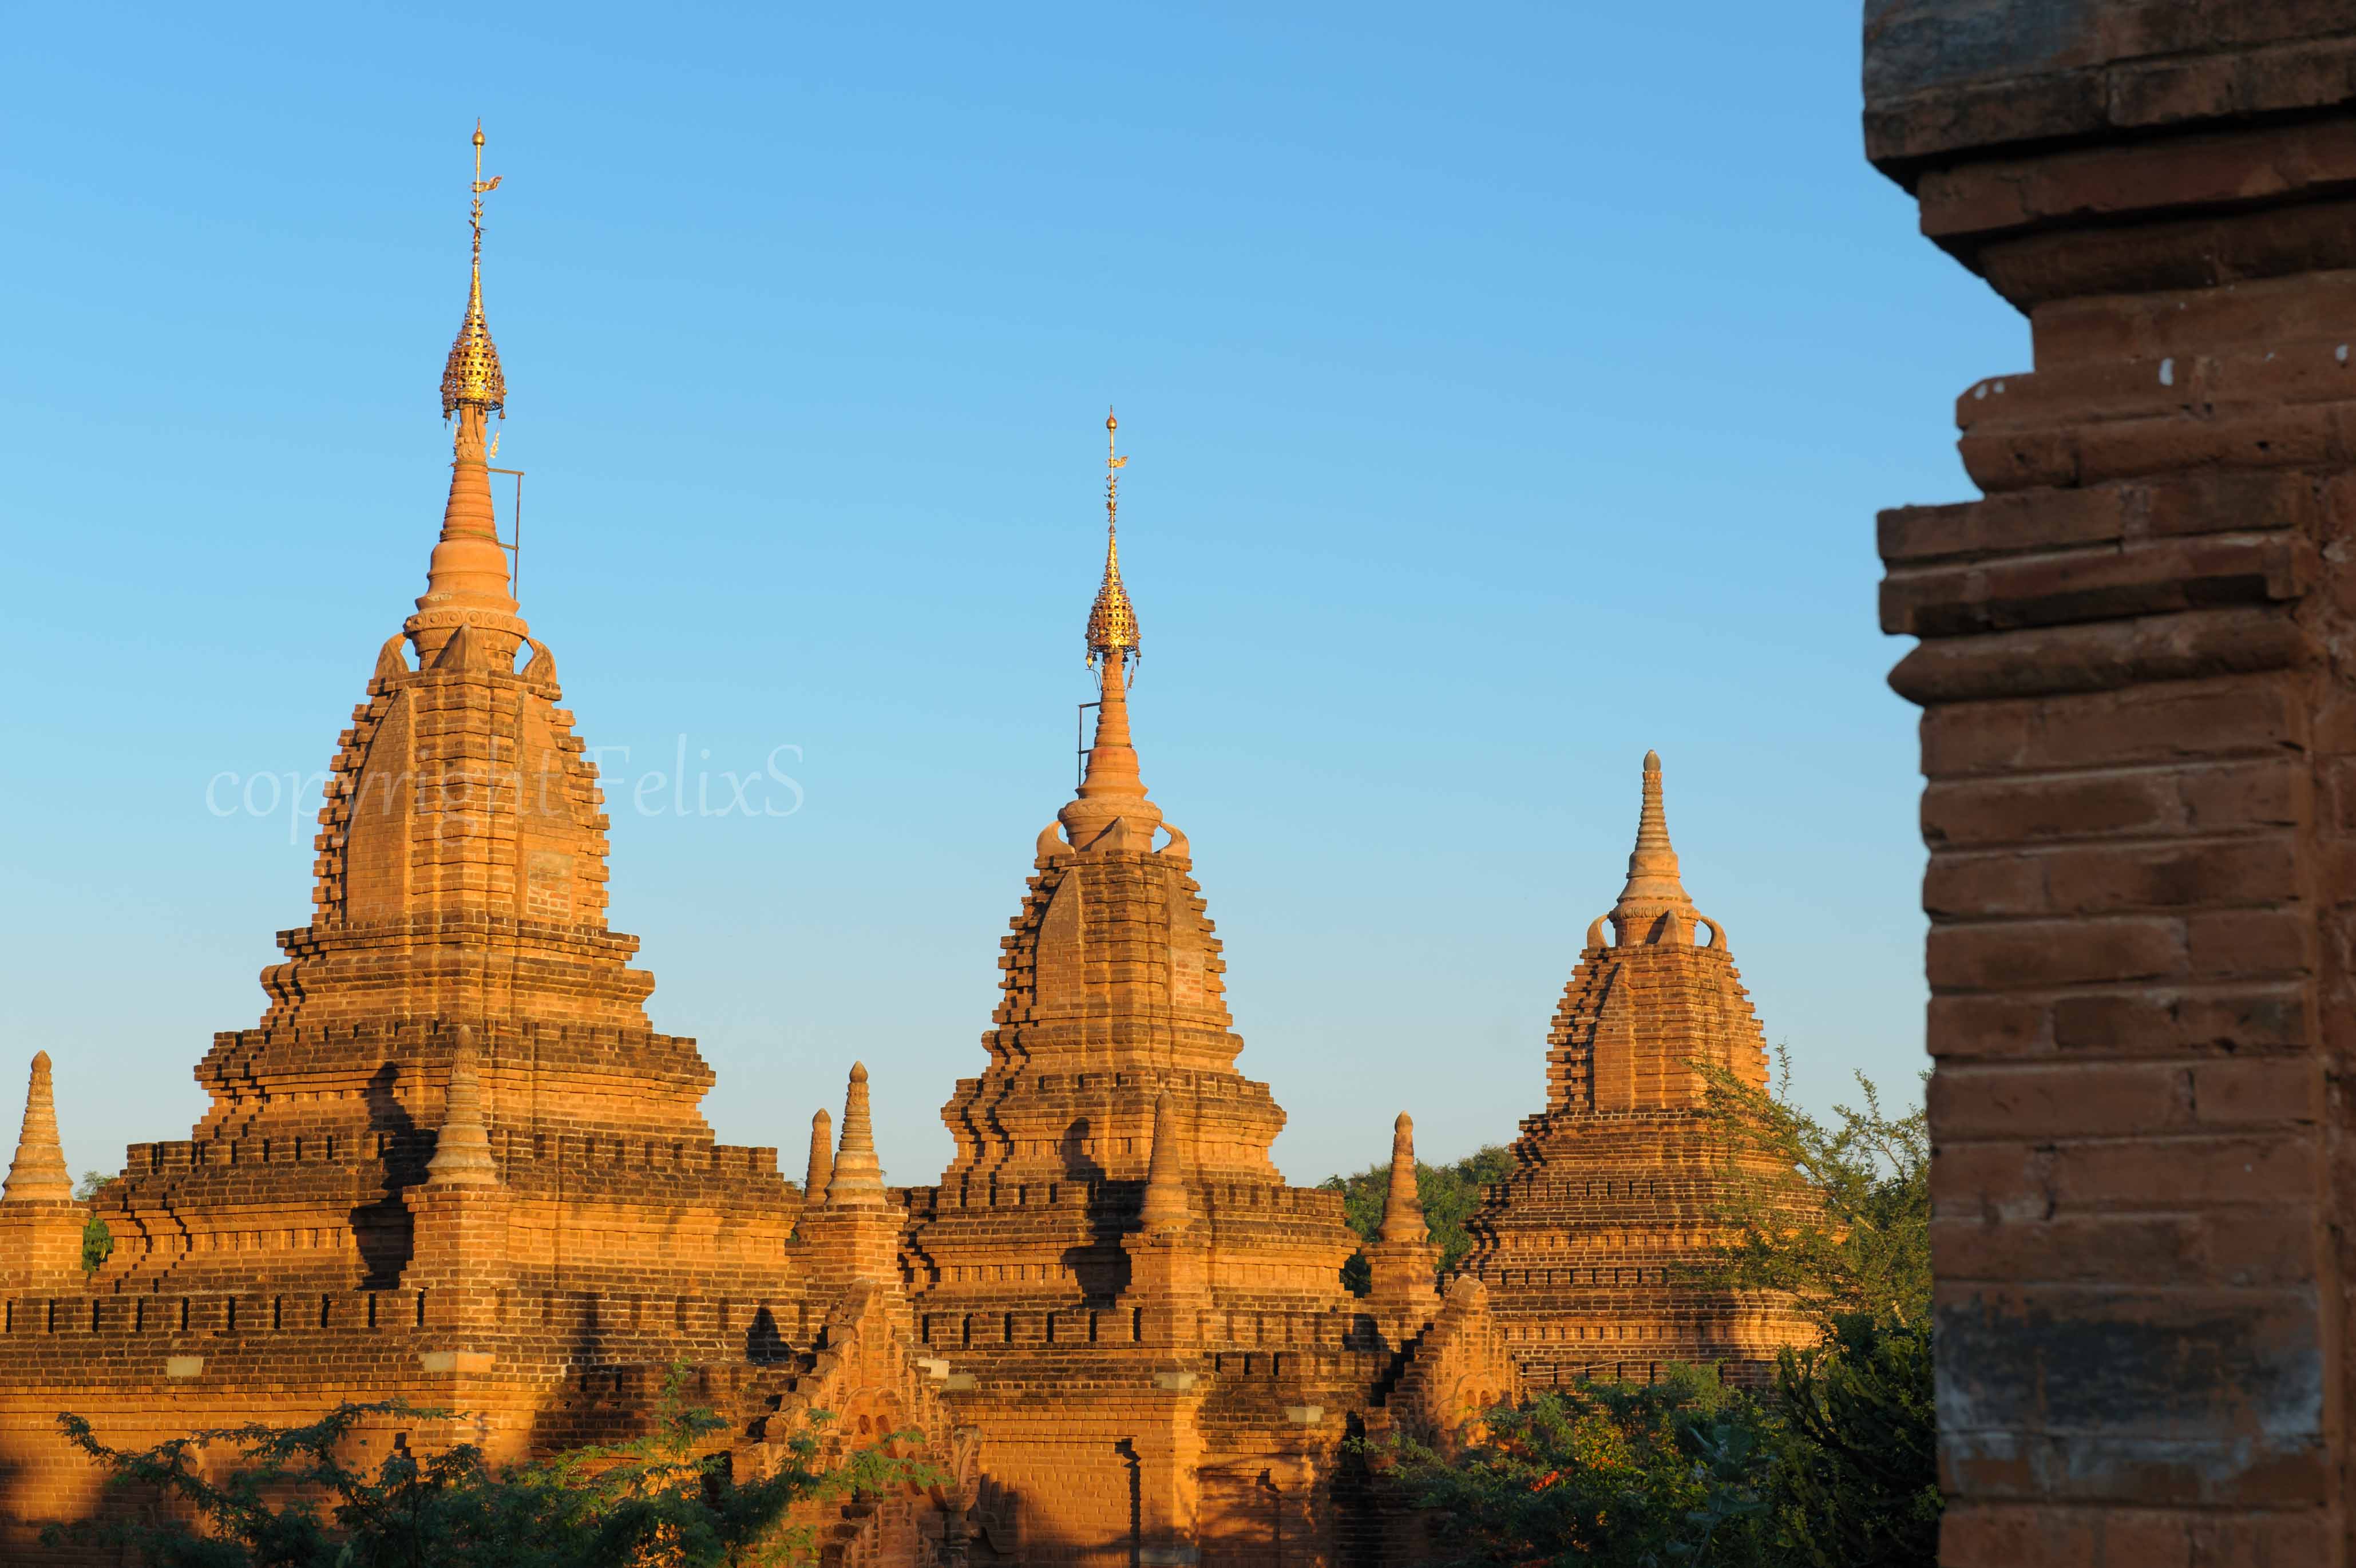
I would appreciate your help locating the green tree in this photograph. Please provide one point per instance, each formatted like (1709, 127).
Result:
(1855, 1481)
(1835, 1466)
(1834, 1214)
(1450, 1193)
(97, 1240)
(286, 1498)
(1605, 1475)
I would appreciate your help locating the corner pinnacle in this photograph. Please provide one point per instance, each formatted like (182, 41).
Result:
(462, 1148)
(1165, 1209)
(821, 1160)
(38, 1174)
(1402, 1202)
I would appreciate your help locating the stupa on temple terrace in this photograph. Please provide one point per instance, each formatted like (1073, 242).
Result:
(455, 1163)
(1616, 1182)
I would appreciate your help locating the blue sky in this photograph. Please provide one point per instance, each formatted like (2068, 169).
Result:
(1509, 390)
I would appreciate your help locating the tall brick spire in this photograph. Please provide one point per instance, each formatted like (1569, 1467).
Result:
(38, 1174)
(466, 580)
(1112, 791)
(1654, 889)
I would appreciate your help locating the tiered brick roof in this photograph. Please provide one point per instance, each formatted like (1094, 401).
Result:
(1617, 1180)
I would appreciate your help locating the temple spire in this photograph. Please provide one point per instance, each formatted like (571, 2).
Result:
(462, 1148)
(466, 581)
(1112, 619)
(1654, 888)
(1403, 1204)
(38, 1174)
(857, 1179)
(472, 374)
(1165, 1209)
(1111, 789)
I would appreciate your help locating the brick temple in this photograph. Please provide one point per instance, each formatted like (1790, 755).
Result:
(1619, 1182)
(455, 1162)
(1113, 1220)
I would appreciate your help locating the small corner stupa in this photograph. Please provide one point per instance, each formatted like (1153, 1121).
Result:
(41, 1224)
(1616, 1181)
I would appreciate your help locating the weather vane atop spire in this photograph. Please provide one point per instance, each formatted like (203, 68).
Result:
(1112, 620)
(472, 373)
(482, 188)
(1113, 465)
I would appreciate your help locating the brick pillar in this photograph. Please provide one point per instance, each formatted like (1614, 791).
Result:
(2140, 748)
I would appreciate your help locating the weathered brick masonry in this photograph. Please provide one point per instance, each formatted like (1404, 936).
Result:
(2140, 748)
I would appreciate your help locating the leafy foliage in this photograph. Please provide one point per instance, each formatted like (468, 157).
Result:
(1605, 1475)
(1835, 1214)
(1449, 1194)
(288, 1500)
(1856, 1480)
(1833, 1467)
(97, 1240)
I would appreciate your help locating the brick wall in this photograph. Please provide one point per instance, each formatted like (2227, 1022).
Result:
(2137, 737)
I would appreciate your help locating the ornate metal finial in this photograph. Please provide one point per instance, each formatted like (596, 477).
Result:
(473, 375)
(1112, 619)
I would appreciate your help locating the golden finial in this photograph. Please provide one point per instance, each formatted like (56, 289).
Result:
(472, 373)
(1112, 619)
